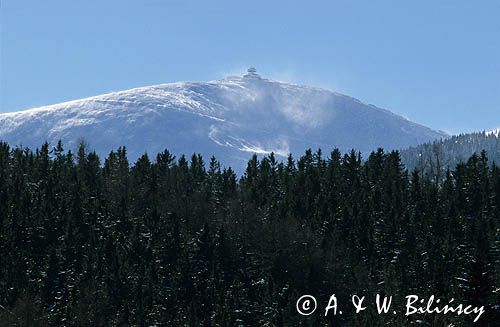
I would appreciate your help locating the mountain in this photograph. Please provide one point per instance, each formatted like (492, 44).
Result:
(437, 156)
(495, 132)
(229, 118)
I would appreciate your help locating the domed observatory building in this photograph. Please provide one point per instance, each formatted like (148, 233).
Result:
(252, 73)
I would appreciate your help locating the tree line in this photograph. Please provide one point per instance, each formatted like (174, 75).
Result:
(170, 241)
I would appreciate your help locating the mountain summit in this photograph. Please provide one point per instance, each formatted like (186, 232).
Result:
(229, 118)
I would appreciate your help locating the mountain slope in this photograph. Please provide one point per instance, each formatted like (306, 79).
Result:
(437, 156)
(229, 118)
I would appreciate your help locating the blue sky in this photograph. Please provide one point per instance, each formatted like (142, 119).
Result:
(434, 62)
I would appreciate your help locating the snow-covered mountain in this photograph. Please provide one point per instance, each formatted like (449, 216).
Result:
(495, 132)
(230, 118)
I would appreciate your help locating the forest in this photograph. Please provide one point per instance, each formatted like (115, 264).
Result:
(435, 157)
(180, 241)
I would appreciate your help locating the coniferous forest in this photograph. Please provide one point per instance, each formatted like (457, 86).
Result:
(166, 241)
(435, 157)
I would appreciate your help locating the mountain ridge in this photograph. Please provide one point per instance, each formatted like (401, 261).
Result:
(228, 118)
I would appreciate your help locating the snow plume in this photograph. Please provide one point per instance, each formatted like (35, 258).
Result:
(233, 72)
(308, 112)
(305, 107)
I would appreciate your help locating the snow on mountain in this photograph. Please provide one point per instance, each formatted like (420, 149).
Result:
(230, 118)
(495, 132)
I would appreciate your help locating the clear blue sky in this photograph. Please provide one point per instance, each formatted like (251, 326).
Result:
(434, 62)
